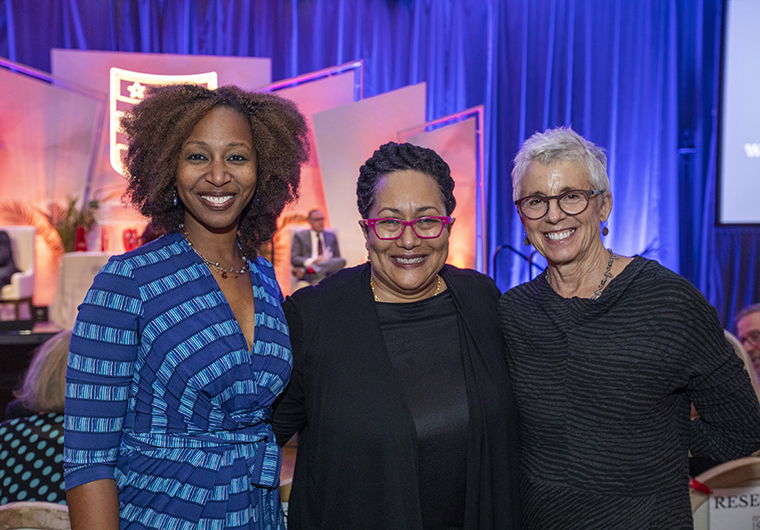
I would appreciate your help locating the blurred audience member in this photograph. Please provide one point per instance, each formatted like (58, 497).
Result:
(314, 253)
(748, 331)
(7, 267)
(31, 444)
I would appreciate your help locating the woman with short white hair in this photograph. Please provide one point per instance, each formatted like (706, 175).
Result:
(606, 354)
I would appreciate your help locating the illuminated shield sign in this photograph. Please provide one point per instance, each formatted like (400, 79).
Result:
(128, 88)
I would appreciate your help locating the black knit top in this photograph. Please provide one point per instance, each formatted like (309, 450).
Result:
(604, 388)
(425, 351)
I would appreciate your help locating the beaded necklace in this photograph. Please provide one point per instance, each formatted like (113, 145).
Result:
(215, 264)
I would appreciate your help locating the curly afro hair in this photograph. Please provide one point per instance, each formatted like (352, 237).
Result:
(158, 126)
(392, 157)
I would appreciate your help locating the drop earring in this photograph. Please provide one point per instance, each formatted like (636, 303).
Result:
(526, 241)
(605, 230)
(175, 198)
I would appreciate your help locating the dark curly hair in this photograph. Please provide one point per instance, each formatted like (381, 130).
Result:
(392, 157)
(158, 126)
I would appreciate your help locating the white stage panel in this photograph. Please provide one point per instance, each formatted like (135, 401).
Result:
(458, 144)
(48, 142)
(346, 137)
(312, 95)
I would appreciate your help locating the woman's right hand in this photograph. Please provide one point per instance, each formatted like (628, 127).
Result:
(94, 506)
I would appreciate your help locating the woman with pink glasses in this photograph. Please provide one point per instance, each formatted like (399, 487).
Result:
(400, 392)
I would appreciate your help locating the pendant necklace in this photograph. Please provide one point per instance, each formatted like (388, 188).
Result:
(215, 264)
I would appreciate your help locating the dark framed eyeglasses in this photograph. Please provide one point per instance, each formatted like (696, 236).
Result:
(386, 228)
(572, 202)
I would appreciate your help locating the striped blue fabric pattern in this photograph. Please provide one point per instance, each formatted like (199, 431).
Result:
(164, 396)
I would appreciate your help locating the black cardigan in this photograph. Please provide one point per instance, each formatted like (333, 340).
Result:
(357, 449)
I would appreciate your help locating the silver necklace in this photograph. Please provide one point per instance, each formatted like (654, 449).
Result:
(372, 285)
(215, 264)
(607, 276)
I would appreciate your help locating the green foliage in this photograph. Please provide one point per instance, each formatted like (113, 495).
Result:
(67, 219)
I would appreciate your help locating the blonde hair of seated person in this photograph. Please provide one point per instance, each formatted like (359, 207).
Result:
(44, 386)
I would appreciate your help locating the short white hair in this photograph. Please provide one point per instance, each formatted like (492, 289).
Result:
(557, 145)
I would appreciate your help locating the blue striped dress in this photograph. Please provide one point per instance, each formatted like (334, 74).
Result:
(163, 395)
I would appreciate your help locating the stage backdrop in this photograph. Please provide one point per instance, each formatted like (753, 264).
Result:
(639, 78)
(459, 141)
(48, 141)
(313, 92)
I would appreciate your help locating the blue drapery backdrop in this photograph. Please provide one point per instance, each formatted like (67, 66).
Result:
(639, 78)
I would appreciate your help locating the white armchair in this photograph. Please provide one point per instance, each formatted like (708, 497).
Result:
(21, 288)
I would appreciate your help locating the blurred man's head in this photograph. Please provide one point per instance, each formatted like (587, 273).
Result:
(317, 220)
(748, 331)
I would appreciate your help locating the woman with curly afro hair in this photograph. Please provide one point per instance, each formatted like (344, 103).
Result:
(181, 345)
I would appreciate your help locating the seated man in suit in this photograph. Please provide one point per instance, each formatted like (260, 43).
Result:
(314, 253)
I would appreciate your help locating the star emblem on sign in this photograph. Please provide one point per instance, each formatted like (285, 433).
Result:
(136, 90)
